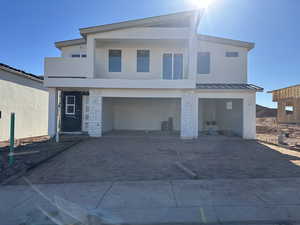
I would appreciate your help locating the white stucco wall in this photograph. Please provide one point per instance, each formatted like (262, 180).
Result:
(28, 100)
(139, 113)
(67, 51)
(224, 69)
(129, 60)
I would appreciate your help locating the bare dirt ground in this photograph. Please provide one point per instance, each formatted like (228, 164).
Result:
(29, 153)
(153, 158)
(268, 130)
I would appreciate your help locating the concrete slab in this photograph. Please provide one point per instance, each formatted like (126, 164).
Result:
(87, 195)
(283, 197)
(9, 200)
(167, 216)
(251, 214)
(139, 195)
(192, 193)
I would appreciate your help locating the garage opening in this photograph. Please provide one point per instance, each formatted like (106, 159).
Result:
(140, 116)
(221, 117)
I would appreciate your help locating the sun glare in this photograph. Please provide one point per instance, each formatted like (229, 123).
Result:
(202, 4)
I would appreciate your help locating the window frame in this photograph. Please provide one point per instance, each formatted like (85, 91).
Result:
(108, 61)
(148, 60)
(70, 104)
(209, 66)
(78, 55)
(232, 54)
(172, 69)
(289, 109)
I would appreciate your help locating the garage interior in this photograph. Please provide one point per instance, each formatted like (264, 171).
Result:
(141, 115)
(221, 116)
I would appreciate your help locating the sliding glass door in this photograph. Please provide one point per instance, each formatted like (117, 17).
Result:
(172, 66)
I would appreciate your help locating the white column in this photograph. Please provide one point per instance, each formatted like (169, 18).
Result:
(95, 113)
(249, 116)
(91, 56)
(52, 112)
(189, 116)
(192, 49)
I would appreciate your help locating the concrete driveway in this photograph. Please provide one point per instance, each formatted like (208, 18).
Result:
(217, 201)
(152, 158)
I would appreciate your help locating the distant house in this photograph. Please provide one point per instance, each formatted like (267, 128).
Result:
(22, 93)
(146, 73)
(288, 104)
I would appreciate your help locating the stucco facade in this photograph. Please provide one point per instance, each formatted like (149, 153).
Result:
(28, 99)
(133, 100)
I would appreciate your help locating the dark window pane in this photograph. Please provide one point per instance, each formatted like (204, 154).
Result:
(167, 66)
(70, 109)
(70, 99)
(178, 66)
(232, 54)
(75, 55)
(115, 60)
(143, 60)
(203, 63)
(83, 55)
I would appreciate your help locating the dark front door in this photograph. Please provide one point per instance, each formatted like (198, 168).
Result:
(71, 111)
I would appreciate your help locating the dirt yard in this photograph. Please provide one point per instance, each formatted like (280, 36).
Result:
(152, 158)
(269, 131)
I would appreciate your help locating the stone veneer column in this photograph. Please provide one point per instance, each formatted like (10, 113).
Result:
(189, 116)
(95, 113)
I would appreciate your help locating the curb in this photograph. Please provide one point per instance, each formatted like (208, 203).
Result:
(23, 172)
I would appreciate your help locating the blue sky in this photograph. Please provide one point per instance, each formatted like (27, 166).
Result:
(29, 29)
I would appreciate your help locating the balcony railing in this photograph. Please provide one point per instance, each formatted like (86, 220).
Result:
(66, 67)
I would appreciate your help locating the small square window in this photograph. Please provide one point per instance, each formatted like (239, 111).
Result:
(229, 105)
(232, 54)
(289, 110)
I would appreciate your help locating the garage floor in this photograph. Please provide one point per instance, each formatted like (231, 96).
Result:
(152, 158)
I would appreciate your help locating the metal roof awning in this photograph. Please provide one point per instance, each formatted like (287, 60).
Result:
(229, 86)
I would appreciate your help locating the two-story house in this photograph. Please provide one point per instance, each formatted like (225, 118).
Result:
(135, 75)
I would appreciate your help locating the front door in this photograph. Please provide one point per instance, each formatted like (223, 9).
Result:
(71, 111)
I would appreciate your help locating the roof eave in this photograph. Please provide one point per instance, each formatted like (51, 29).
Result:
(133, 23)
(227, 41)
(28, 76)
(66, 43)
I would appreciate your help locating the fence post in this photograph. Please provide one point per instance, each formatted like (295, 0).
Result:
(12, 138)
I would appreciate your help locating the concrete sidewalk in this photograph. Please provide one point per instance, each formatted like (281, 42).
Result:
(155, 202)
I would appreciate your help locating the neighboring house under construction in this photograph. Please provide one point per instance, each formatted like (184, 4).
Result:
(288, 100)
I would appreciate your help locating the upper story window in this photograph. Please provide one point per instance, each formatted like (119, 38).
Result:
(172, 66)
(143, 61)
(78, 55)
(203, 62)
(232, 54)
(115, 58)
